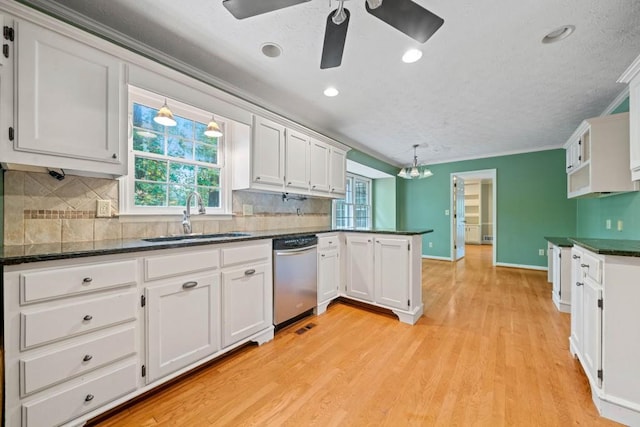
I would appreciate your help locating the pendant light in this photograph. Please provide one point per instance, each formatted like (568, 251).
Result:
(415, 171)
(165, 116)
(213, 129)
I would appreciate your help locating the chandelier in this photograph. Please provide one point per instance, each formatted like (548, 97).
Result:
(415, 171)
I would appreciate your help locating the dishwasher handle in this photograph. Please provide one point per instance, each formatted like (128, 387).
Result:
(291, 252)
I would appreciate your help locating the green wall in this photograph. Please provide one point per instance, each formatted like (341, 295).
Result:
(531, 203)
(367, 160)
(384, 203)
(593, 213)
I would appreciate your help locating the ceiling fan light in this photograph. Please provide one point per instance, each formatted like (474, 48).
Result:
(411, 56)
(414, 172)
(213, 129)
(427, 173)
(165, 116)
(374, 4)
(402, 173)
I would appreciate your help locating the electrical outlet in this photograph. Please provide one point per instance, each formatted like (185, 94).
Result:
(541, 252)
(607, 224)
(247, 210)
(619, 225)
(103, 208)
(430, 244)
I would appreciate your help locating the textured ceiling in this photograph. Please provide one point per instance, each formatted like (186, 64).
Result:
(485, 85)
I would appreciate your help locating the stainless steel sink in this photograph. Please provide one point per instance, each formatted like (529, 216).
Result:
(183, 237)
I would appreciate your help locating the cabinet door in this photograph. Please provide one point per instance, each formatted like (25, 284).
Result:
(319, 156)
(297, 161)
(360, 267)
(328, 274)
(391, 258)
(592, 332)
(577, 283)
(338, 171)
(247, 302)
(183, 323)
(557, 272)
(569, 158)
(68, 102)
(268, 152)
(634, 127)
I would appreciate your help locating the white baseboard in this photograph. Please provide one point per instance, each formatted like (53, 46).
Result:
(440, 258)
(528, 267)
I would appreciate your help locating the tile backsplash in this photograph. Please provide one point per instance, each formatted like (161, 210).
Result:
(41, 209)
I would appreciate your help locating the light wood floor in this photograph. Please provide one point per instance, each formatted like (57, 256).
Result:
(491, 350)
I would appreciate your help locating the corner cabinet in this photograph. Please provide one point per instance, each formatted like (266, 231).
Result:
(598, 157)
(385, 270)
(604, 323)
(271, 157)
(632, 77)
(329, 277)
(69, 106)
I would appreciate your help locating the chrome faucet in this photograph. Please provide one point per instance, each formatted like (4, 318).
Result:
(186, 218)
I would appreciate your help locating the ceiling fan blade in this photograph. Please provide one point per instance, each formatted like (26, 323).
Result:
(334, 38)
(246, 8)
(408, 17)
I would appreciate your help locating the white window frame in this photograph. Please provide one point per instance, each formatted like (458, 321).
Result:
(351, 204)
(127, 183)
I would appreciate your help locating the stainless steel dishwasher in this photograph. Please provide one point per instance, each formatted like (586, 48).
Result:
(295, 266)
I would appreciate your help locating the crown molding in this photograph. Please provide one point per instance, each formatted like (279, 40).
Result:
(631, 72)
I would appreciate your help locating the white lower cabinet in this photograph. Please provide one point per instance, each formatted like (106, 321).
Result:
(561, 277)
(183, 323)
(604, 329)
(247, 294)
(328, 270)
(385, 270)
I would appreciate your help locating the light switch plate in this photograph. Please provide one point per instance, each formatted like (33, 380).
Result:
(608, 224)
(103, 208)
(619, 225)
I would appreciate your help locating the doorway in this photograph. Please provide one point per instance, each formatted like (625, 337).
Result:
(485, 226)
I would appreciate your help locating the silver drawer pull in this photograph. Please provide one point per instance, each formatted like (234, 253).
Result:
(576, 257)
(584, 265)
(330, 242)
(87, 357)
(87, 280)
(322, 255)
(87, 317)
(191, 284)
(579, 284)
(250, 272)
(89, 398)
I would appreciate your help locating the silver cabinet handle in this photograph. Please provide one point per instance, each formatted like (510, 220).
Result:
(87, 357)
(89, 398)
(313, 186)
(250, 272)
(579, 284)
(584, 265)
(330, 242)
(87, 317)
(289, 183)
(257, 178)
(87, 280)
(190, 284)
(576, 257)
(322, 255)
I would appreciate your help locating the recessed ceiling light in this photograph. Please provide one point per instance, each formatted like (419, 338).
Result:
(558, 34)
(331, 91)
(271, 50)
(412, 55)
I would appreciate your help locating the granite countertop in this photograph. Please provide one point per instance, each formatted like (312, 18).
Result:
(563, 242)
(19, 254)
(609, 246)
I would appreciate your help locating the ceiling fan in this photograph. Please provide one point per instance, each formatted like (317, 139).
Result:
(404, 15)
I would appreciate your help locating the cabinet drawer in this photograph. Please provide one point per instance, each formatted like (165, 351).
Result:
(73, 402)
(328, 242)
(177, 264)
(65, 281)
(41, 326)
(592, 267)
(245, 254)
(36, 372)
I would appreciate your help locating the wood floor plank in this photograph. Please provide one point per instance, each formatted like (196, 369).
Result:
(491, 350)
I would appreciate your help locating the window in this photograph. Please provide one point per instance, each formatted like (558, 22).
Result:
(167, 163)
(354, 211)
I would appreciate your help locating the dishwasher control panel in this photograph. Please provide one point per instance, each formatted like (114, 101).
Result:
(295, 242)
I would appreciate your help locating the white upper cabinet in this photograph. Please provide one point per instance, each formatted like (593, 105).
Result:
(632, 76)
(68, 102)
(297, 161)
(338, 172)
(319, 155)
(598, 157)
(268, 152)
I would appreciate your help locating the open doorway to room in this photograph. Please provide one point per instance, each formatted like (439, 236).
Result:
(474, 213)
